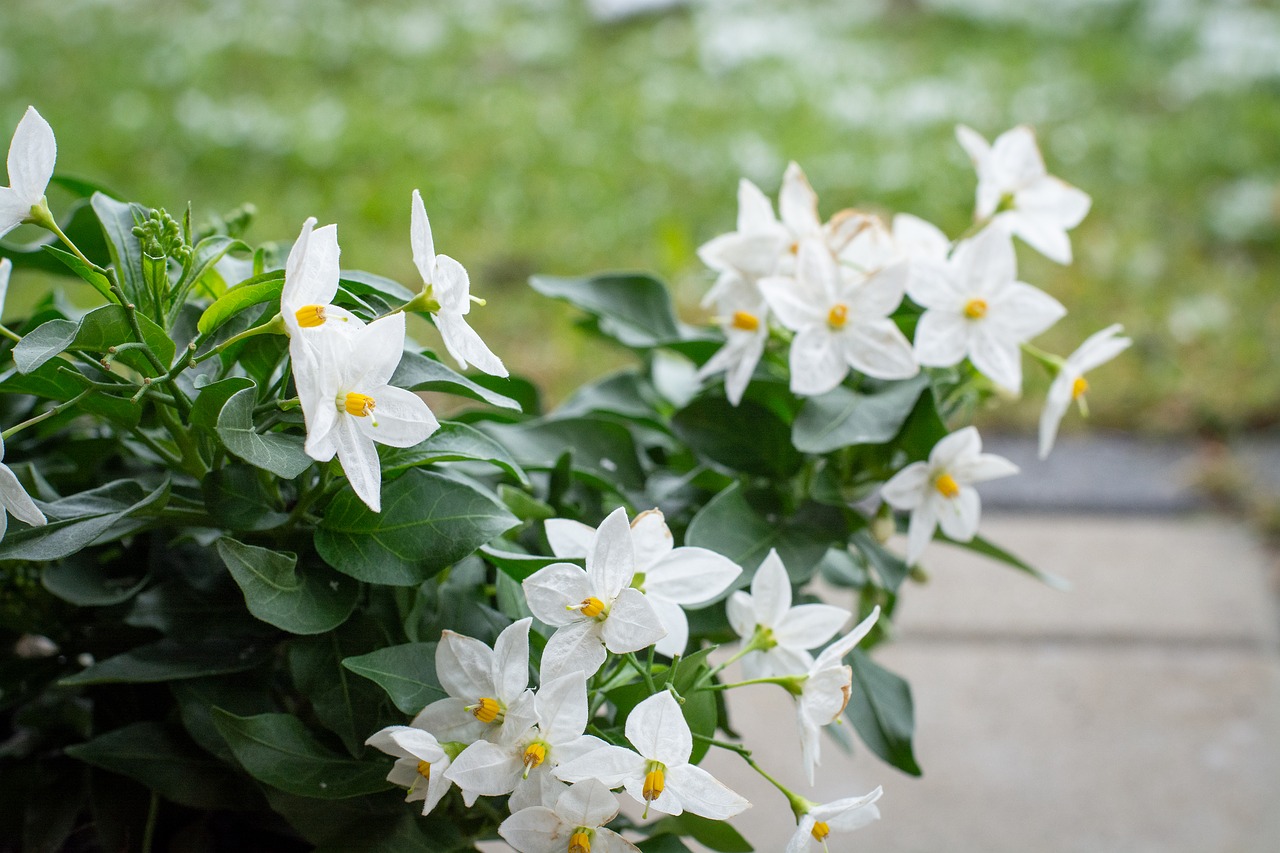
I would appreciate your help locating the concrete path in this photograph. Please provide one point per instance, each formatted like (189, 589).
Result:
(1138, 712)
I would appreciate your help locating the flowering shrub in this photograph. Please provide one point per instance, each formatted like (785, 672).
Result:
(259, 596)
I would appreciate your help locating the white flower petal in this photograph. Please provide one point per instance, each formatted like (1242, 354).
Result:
(535, 830)
(424, 247)
(1056, 403)
(1022, 312)
(632, 624)
(904, 490)
(691, 576)
(673, 620)
(6, 268)
(817, 360)
(612, 561)
(997, 358)
(924, 521)
(985, 263)
(562, 707)
(973, 143)
(796, 304)
(466, 346)
(17, 501)
(32, 154)
(465, 666)
(651, 539)
(400, 418)
(985, 466)
(958, 516)
(375, 352)
(576, 647)
(878, 295)
(359, 461)
(485, 769)
(755, 212)
(553, 589)
(587, 803)
(657, 729)
(1015, 158)
(448, 719)
(13, 210)
(740, 610)
(703, 794)
(771, 590)
(610, 765)
(942, 338)
(964, 442)
(1099, 348)
(841, 647)
(569, 539)
(798, 203)
(808, 626)
(878, 348)
(849, 814)
(452, 286)
(511, 660)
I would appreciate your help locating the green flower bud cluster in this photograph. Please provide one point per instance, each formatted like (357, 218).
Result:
(162, 237)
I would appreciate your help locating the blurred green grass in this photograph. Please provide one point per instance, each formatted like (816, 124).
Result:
(544, 141)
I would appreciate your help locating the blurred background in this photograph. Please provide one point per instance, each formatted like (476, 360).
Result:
(1141, 712)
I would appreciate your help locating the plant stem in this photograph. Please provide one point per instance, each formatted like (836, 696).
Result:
(631, 658)
(149, 832)
(790, 682)
(46, 221)
(274, 326)
(10, 334)
(44, 416)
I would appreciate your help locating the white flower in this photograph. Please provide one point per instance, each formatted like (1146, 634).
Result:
(420, 763)
(450, 287)
(576, 824)
(671, 578)
(841, 321)
(912, 241)
(658, 774)
(842, 815)
(348, 405)
(310, 282)
(1070, 384)
(940, 491)
(596, 609)
(825, 691)
(780, 633)
(1015, 189)
(975, 307)
(14, 499)
(743, 316)
(521, 761)
(482, 683)
(32, 154)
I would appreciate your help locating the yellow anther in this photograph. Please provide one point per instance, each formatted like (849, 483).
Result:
(534, 754)
(946, 485)
(838, 315)
(746, 321)
(360, 405)
(580, 841)
(1079, 387)
(654, 782)
(486, 710)
(975, 309)
(795, 248)
(424, 770)
(821, 830)
(310, 316)
(591, 607)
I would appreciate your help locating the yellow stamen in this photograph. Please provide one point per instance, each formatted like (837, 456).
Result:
(838, 315)
(975, 309)
(590, 607)
(795, 248)
(1079, 387)
(534, 754)
(424, 770)
(821, 830)
(360, 405)
(486, 710)
(746, 321)
(654, 782)
(946, 485)
(580, 841)
(310, 316)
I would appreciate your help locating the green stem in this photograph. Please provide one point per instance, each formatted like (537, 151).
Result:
(1052, 363)
(10, 334)
(790, 682)
(631, 658)
(149, 832)
(182, 437)
(44, 416)
(274, 326)
(44, 218)
(156, 448)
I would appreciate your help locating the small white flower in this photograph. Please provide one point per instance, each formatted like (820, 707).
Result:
(842, 816)
(1070, 384)
(451, 288)
(521, 762)
(1015, 189)
(576, 824)
(940, 491)
(975, 307)
(658, 774)
(596, 609)
(482, 683)
(825, 691)
(310, 282)
(841, 321)
(912, 241)
(348, 405)
(14, 499)
(781, 633)
(32, 154)
(743, 316)
(420, 763)
(671, 578)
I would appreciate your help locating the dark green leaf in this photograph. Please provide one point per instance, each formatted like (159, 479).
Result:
(986, 548)
(277, 749)
(80, 520)
(52, 382)
(891, 568)
(255, 291)
(747, 437)
(204, 255)
(242, 694)
(406, 672)
(237, 497)
(881, 710)
(515, 565)
(602, 450)
(420, 373)
(626, 393)
(117, 220)
(844, 417)
(634, 310)
(83, 581)
(308, 601)
(428, 521)
(99, 281)
(729, 525)
(452, 442)
(170, 660)
(280, 454)
(109, 326)
(212, 397)
(924, 428)
(362, 283)
(348, 706)
(715, 834)
(664, 843)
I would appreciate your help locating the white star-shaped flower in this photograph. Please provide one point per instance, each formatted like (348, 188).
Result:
(1018, 194)
(975, 306)
(420, 763)
(310, 283)
(348, 405)
(595, 609)
(1070, 385)
(482, 683)
(940, 491)
(825, 691)
(576, 824)
(911, 241)
(14, 499)
(658, 774)
(780, 634)
(744, 319)
(744, 256)
(841, 815)
(450, 287)
(841, 321)
(671, 578)
(32, 154)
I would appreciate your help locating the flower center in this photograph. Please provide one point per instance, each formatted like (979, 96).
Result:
(1078, 388)
(975, 309)
(592, 608)
(838, 315)
(654, 781)
(580, 841)
(746, 321)
(359, 405)
(534, 754)
(821, 830)
(946, 485)
(310, 316)
(424, 770)
(487, 710)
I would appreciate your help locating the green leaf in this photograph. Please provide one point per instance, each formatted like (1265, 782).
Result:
(987, 548)
(602, 450)
(83, 581)
(843, 417)
(747, 437)
(282, 455)
(924, 428)
(170, 660)
(891, 568)
(78, 521)
(117, 219)
(419, 373)
(634, 310)
(167, 763)
(428, 521)
(406, 672)
(204, 255)
(277, 749)
(452, 442)
(881, 710)
(729, 525)
(52, 382)
(664, 843)
(715, 834)
(237, 497)
(43, 343)
(97, 332)
(362, 283)
(99, 281)
(515, 565)
(243, 693)
(350, 707)
(255, 291)
(212, 397)
(311, 601)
